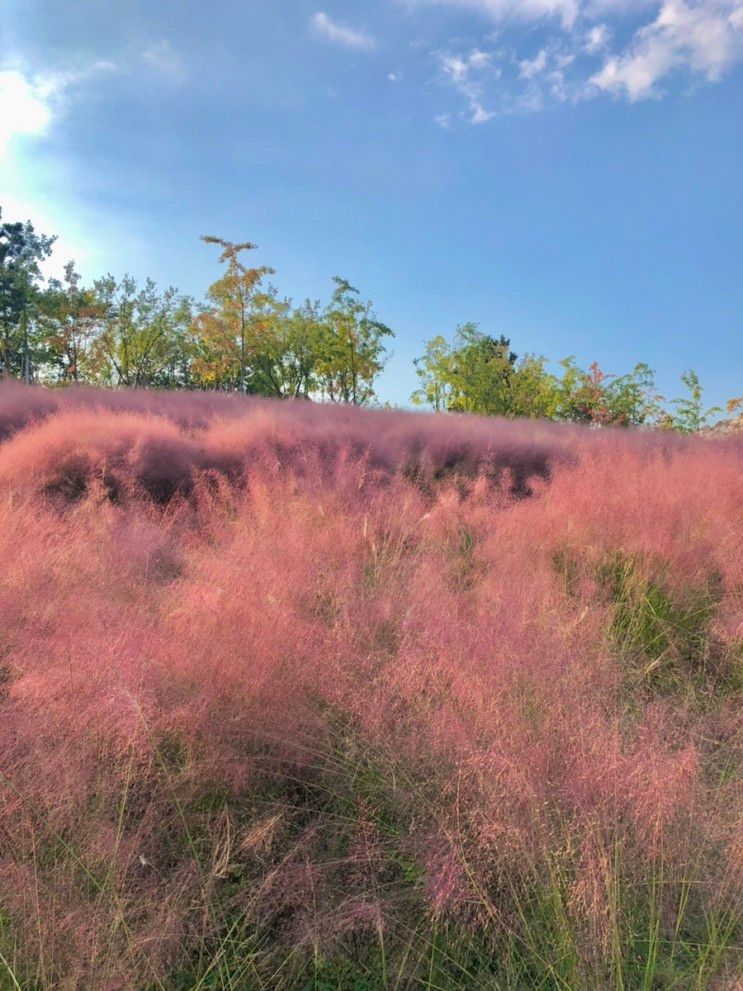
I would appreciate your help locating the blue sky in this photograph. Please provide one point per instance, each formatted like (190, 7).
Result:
(566, 172)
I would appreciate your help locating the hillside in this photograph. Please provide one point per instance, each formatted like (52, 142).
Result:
(296, 696)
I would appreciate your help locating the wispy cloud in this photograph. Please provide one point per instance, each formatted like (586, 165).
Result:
(466, 73)
(340, 34)
(529, 68)
(517, 10)
(704, 38)
(163, 59)
(596, 39)
(576, 60)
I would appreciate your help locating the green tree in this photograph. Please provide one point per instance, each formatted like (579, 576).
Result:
(284, 348)
(142, 335)
(690, 415)
(633, 400)
(480, 372)
(21, 252)
(475, 374)
(351, 350)
(434, 374)
(534, 391)
(582, 395)
(607, 400)
(226, 329)
(69, 318)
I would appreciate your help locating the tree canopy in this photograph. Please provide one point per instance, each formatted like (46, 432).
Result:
(479, 373)
(245, 336)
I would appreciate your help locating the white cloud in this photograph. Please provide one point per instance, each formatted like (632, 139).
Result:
(454, 67)
(460, 68)
(517, 10)
(478, 113)
(597, 9)
(25, 107)
(529, 68)
(163, 59)
(45, 188)
(478, 59)
(30, 102)
(705, 38)
(545, 74)
(340, 34)
(466, 74)
(596, 39)
(394, 77)
(577, 61)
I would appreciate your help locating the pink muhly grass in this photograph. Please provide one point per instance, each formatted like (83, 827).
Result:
(335, 672)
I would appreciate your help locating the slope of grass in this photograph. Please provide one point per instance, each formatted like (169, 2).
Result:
(305, 698)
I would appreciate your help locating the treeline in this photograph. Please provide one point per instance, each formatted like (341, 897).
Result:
(244, 336)
(476, 373)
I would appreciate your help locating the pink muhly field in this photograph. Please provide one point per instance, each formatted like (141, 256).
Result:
(306, 697)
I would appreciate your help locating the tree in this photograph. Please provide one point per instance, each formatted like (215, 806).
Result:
(247, 337)
(142, 335)
(21, 252)
(223, 329)
(284, 348)
(481, 374)
(350, 347)
(632, 398)
(582, 394)
(472, 375)
(607, 400)
(534, 392)
(690, 416)
(69, 316)
(480, 371)
(434, 373)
